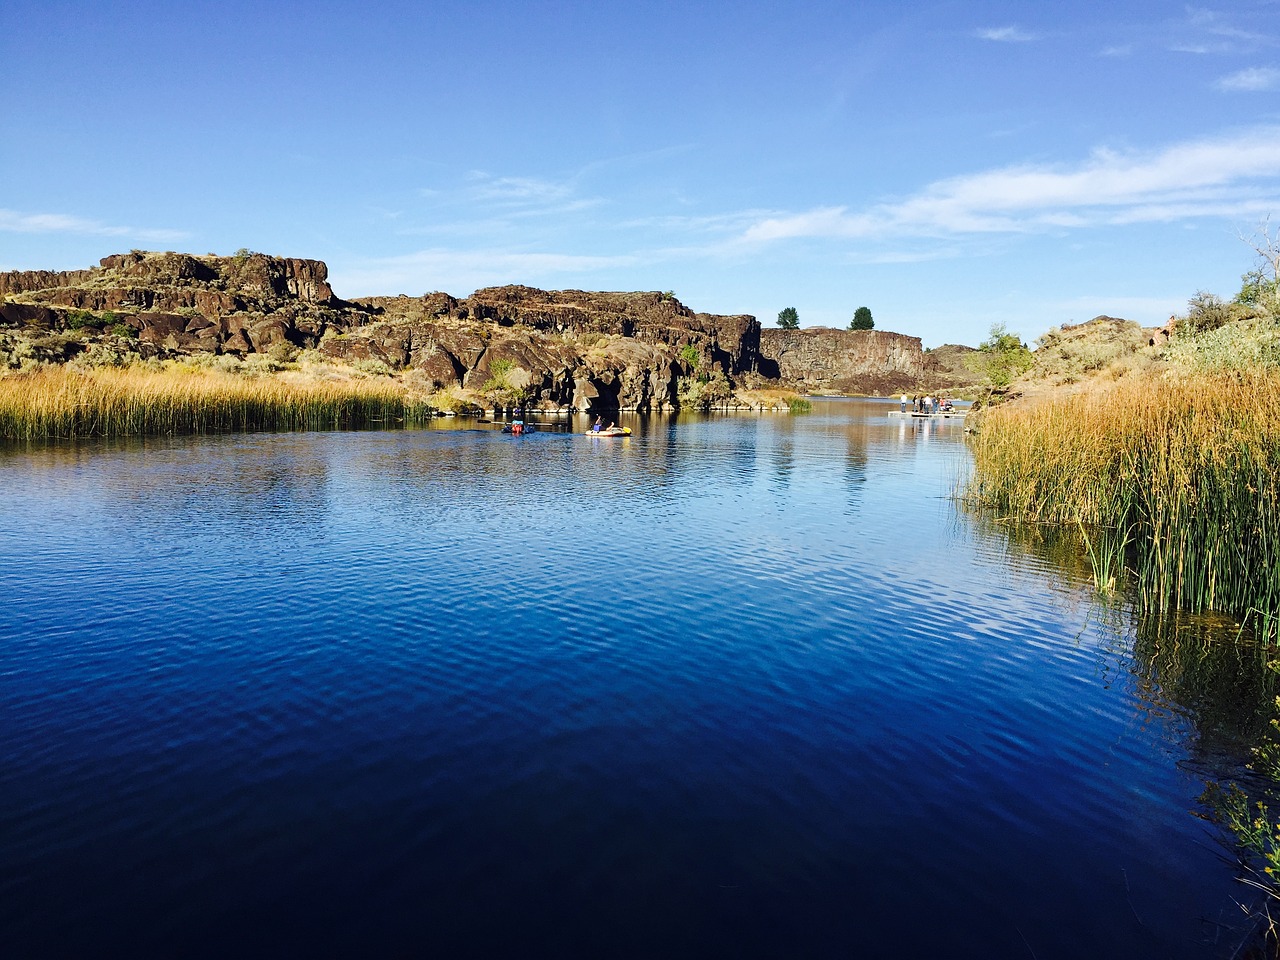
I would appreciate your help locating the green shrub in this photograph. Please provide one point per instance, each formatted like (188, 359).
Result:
(1001, 358)
(703, 392)
(371, 366)
(104, 354)
(1241, 345)
(283, 352)
(1207, 312)
(79, 319)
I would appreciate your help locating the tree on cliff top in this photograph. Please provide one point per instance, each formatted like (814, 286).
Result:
(788, 319)
(862, 319)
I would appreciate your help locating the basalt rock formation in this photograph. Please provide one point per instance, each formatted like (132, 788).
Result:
(177, 303)
(824, 360)
(564, 349)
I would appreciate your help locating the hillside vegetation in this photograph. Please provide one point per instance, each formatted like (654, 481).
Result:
(1161, 446)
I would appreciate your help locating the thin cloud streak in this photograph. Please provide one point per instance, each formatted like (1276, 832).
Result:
(1009, 34)
(12, 221)
(1252, 80)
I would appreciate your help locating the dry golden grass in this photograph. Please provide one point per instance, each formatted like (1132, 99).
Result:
(107, 402)
(773, 400)
(1180, 478)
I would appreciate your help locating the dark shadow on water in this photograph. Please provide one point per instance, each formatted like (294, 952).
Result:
(1203, 665)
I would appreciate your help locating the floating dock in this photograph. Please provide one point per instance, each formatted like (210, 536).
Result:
(911, 415)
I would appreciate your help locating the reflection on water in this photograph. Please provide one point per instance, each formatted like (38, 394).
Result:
(736, 685)
(1203, 664)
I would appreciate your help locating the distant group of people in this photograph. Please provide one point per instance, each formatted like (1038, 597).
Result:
(927, 404)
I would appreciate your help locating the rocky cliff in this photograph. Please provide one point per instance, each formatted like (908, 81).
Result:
(823, 360)
(178, 303)
(562, 348)
(567, 348)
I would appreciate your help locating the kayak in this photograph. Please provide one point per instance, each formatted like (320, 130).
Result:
(611, 432)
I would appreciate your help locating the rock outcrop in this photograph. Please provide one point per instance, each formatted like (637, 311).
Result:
(948, 368)
(557, 348)
(566, 348)
(178, 303)
(824, 360)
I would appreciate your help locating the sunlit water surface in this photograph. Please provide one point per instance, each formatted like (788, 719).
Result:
(734, 687)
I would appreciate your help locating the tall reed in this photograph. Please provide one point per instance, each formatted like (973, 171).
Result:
(54, 402)
(1180, 478)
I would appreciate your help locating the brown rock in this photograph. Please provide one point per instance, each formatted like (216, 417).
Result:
(820, 359)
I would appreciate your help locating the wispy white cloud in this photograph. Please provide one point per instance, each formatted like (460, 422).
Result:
(1010, 34)
(1204, 32)
(1214, 24)
(498, 199)
(13, 221)
(1252, 80)
(1229, 176)
(461, 271)
(516, 190)
(719, 223)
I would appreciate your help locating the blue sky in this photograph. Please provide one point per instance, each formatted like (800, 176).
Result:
(949, 165)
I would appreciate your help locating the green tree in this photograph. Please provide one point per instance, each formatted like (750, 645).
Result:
(788, 319)
(1001, 358)
(862, 319)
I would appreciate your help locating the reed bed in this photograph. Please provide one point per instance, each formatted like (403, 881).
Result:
(61, 402)
(1173, 483)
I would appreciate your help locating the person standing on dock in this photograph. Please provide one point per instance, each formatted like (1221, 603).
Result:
(903, 407)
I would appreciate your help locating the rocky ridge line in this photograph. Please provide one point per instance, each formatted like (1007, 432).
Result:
(567, 348)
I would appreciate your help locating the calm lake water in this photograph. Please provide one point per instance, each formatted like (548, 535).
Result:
(737, 686)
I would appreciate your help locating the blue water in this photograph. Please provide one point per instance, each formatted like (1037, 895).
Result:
(736, 686)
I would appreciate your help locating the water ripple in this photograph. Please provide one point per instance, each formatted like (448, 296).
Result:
(736, 685)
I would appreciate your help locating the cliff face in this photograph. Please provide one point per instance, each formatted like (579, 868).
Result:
(574, 348)
(562, 348)
(823, 360)
(179, 303)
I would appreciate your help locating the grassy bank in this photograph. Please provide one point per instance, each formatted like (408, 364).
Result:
(1172, 483)
(64, 402)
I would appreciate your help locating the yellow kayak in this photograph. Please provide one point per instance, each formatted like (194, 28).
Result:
(611, 432)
